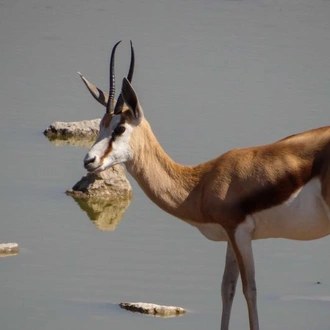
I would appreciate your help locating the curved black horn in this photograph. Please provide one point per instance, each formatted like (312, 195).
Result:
(131, 66)
(120, 101)
(111, 99)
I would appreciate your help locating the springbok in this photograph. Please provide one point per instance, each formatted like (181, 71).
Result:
(280, 189)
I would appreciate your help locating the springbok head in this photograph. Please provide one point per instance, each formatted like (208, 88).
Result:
(112, 145)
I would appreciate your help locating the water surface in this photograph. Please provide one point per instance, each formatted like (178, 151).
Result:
(211, 76)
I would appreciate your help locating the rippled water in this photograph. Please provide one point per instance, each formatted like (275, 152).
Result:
(211, 76)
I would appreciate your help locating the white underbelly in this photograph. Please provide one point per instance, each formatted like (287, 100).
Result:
(305, 216)
(212, 231)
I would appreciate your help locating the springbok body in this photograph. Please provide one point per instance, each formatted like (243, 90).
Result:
(276, 190)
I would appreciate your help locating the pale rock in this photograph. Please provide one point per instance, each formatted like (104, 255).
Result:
(111, 183)
(153, 309)
(74, 128)
(8, 249)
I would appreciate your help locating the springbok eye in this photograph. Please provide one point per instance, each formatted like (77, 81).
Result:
(119, 130)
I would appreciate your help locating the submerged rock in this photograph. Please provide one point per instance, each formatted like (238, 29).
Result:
(8, 249)
(153, 309)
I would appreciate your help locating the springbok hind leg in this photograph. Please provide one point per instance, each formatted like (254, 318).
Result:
(228, 287)
(241, 241)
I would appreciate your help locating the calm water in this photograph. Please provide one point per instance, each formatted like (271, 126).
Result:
(211, 75)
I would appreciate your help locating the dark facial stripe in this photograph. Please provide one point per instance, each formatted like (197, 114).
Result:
(107, 151)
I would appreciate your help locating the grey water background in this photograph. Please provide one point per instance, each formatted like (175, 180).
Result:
(211, 76)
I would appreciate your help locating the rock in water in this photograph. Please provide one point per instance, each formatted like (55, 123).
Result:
(111, 183)
(153, 309)
(73, 128)
(8, 249)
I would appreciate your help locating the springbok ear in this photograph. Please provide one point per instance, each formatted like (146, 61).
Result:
(98, 94)
(131, 99)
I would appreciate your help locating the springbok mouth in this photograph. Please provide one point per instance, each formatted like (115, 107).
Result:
(95, 170)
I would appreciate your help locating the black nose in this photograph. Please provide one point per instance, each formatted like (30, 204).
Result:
(89, 161)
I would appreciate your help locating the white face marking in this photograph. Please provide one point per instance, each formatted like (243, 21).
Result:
(121, 150)
(110, 149)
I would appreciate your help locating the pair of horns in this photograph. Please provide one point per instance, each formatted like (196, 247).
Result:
(111, 100)
(108, 100)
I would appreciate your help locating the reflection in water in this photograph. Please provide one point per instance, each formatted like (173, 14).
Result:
(77, 141)
(105, 213)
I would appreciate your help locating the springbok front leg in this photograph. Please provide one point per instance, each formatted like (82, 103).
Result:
(241, 241)
(228, 287)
